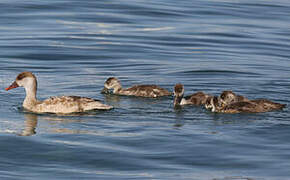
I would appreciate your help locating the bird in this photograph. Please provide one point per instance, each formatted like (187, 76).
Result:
(216, 105)
(265, 105)
(56, 104)
(151, 91)
(198, 98)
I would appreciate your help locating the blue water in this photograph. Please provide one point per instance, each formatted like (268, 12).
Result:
(211, 45)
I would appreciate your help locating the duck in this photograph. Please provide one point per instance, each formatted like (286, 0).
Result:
(198, 98)
(150, 91)
(216, 105)
(265, 105)
(57, 104)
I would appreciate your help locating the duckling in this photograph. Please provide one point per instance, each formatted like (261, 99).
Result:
(198, 98)
(265, 105)
(59, 105)
(238, 107)
(151, 91)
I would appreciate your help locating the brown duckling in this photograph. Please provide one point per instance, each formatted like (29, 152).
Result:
(240, 107)
(198, 98)
(265, 105)
(152, 91)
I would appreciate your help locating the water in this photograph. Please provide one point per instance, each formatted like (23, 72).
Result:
(74, 46)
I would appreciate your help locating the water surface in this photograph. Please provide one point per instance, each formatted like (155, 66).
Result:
(74, 46)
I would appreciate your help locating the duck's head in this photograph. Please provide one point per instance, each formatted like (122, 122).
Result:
(178, 90)
(24, 79)
(178, 94)
(228, 97)
(111, 83)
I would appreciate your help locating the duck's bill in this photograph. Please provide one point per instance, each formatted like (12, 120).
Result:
(105, 91)
(13, 85)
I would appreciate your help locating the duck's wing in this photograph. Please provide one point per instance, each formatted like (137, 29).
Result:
(268, 105)
(147, 91)
(198, 98)
(242, 107)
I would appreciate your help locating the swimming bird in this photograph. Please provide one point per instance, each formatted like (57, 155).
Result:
(242, 106)
(152, 91)
(264, 105)
(198, 98)
(59, 105)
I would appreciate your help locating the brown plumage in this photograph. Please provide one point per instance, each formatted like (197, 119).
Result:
(268, 105)
(261, 105)
(151, 91)
(242, 107)
(255, 106)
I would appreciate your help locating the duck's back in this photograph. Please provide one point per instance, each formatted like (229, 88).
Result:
(69, 104)
(146, 91)
(243, 106)
(240, 98)
(198, 98)
(268, 105)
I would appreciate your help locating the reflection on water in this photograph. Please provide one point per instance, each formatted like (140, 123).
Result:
(68, 124)
(29, 125)
(113, 100)
(179, 116)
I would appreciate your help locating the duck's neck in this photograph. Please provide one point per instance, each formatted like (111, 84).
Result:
(214, 106)
(30, 99)
(213, 109)
(177, 100)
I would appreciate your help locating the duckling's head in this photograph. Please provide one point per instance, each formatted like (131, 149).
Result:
(228, 97)
(111, 83)
(178, 94)
(26, 80)
(178, 90)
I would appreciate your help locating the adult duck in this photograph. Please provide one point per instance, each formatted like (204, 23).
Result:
(59, 105)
